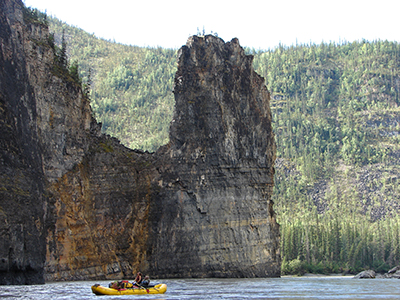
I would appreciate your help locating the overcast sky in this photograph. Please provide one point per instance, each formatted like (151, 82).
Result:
(257, 24)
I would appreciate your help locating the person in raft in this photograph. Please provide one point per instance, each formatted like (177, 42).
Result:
(138, 279)
(146, 281)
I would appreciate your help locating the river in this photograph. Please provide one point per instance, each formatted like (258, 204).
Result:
(307, 287)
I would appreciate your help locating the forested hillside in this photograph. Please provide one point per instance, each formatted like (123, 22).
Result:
(337, 125)
(131, 86)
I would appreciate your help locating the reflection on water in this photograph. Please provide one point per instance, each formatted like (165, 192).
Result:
(232, 289)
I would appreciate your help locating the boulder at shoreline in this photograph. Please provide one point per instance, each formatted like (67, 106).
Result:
(365, 274)
(392, 273)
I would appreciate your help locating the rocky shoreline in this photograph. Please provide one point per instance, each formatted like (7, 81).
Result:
(370, 274)
(366, 274)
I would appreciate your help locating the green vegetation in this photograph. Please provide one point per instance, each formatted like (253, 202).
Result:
(61, 67)
(107, 147)
(33, 15)
(131, 87)
(337, 123)
(336, 119)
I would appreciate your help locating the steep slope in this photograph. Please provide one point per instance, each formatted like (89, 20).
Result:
(49, 138)
(336, 119)
(131, 86)
(23, 201)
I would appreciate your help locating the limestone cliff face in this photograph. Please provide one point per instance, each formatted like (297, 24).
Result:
(75, 204)
(44, 133)
(22, 197)
(215, 216)
(100, 210)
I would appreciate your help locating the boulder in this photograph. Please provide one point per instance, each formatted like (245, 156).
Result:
(365, 274)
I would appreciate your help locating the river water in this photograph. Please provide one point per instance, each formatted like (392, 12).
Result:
(331, 287)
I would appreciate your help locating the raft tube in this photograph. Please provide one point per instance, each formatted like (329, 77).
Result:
(157, 289)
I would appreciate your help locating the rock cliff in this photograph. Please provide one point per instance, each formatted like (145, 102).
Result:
(45, 125)
(22, 186)
(76, 204)
(216, 217)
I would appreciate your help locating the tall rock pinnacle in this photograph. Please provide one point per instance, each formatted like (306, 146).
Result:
(216, 217)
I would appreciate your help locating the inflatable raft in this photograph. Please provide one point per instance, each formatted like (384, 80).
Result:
(156, 289)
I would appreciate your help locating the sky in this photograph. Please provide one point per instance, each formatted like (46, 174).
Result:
(257, 24)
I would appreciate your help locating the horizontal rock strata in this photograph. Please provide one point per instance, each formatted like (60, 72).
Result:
(216, 216)
(78, 205)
